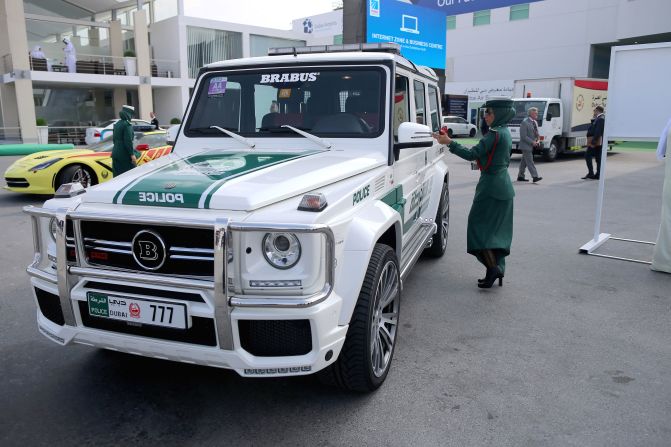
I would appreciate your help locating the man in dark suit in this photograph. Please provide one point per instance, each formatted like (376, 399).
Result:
(595, 143)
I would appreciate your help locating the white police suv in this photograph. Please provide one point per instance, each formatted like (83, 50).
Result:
(275, 239)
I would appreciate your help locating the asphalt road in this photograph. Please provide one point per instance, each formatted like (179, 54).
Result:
(573, 350)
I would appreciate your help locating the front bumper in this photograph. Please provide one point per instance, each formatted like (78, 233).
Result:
(28, 182)
(327, 337)
(223, 330)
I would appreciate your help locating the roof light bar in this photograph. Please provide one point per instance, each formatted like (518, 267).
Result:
(384, 47)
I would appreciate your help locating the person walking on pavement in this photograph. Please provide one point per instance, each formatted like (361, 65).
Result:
(490, 221)
(529, 139)
(595, 143)
(123, 155)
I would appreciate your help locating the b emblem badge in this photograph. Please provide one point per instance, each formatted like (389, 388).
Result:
(148, 250)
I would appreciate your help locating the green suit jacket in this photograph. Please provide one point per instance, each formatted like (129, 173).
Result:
(494, 179)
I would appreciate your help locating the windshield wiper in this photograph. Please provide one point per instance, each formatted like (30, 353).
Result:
(234, 135)
(320, 141)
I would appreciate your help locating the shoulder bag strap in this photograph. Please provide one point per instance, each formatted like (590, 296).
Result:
(490, 156)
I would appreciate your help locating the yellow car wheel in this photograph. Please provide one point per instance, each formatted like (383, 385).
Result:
(76, 174)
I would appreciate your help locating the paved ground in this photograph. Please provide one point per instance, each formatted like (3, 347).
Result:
(573, 351)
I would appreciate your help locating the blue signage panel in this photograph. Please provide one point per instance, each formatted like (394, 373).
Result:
(421, 32)
(455, 7)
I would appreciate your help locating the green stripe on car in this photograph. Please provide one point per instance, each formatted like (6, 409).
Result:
(192, 182)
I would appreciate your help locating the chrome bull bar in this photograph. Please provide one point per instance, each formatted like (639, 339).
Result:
(224, 301)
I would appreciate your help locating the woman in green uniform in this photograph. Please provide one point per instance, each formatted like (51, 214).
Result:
(123, 155)
(490, 222)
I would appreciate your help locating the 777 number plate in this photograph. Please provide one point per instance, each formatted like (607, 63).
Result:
(157, 313)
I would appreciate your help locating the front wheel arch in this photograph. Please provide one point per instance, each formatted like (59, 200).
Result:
(550, 154)
(59, 180)
(365, 358)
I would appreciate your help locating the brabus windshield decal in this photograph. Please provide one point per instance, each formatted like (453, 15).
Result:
(289, 77)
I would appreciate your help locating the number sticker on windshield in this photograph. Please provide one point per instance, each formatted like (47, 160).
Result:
(217, 86)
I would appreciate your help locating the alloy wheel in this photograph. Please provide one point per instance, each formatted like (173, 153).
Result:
(385, 319)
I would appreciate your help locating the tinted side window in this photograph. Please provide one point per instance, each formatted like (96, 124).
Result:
(401, 102)
(554, 110)
(419, 102)
(433, 108)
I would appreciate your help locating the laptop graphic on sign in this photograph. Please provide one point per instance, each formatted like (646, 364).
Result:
(409, 24)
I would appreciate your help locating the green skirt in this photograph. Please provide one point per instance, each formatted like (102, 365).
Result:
(490, 227)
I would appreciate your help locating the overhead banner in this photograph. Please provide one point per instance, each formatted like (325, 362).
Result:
(420, 32)
(456, 7)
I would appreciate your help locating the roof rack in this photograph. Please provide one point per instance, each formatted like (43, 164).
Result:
(384, 47)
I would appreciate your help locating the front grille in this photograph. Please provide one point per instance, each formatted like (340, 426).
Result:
(275, 338)
(110, 245)
(13, 182)
(50, 306)
(154, 293)
(201, 332)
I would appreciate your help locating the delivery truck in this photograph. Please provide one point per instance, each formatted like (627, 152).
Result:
(565, 107)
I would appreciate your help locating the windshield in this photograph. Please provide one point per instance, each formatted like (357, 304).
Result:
(107, 123)
(153, 140)
(105, 145)
(335, 102)
(521, 111)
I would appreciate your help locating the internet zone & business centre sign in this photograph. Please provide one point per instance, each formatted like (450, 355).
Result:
(419, 26)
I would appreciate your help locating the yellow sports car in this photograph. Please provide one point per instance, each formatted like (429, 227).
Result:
(43, 172)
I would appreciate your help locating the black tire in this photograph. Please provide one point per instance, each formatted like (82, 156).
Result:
(471, 133)
(450, 133)
(439, 244)
(355, 369)
(550, 154)
(76, 173)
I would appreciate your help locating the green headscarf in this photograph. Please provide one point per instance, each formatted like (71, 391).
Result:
(127, 113)
(503, 111)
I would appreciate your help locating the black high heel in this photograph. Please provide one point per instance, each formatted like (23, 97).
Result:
(492, 275)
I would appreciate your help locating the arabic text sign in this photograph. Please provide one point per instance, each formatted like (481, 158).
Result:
(420, 32)
(455, 7)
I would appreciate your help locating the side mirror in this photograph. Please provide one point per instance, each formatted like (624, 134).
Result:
(413, 135)
(549, 117)
(142, 147)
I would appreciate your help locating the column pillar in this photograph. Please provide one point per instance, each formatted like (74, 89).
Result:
(116, 50)
(118, 99)
(18, 108)
(144, 92)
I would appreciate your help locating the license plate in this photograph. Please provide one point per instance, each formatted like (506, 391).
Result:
(157, 313)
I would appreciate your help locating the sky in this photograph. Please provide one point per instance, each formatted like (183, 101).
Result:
(267, 13)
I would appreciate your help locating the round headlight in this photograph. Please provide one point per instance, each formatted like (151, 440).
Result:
(281, 250)
(53, 227)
